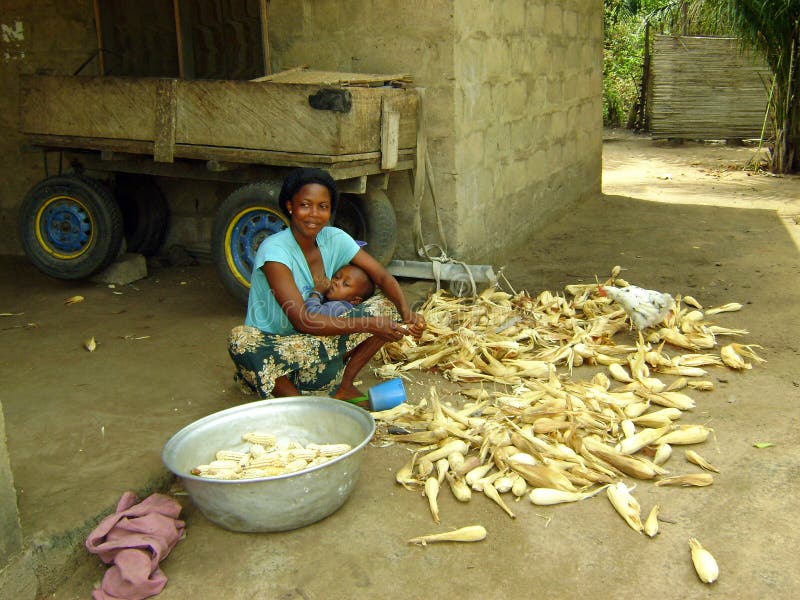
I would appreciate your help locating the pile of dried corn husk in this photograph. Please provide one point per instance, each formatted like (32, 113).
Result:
(546, 435)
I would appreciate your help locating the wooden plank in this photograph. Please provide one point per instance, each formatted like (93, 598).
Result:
(264, 18)
(304, 75)
(102, 107)
(259, 116)
(235, 114)
(270, 116)
(390, 132)
(706, 88)
(227, 155)
(345, 171)
(89, 143)
(166, 113)
(269, 157)
(274, 75)
(180, 169)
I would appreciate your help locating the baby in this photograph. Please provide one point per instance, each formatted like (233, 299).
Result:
(350, 286)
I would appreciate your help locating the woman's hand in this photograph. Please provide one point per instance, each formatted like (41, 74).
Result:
(388, 329)
(416, 324)
(322, 285)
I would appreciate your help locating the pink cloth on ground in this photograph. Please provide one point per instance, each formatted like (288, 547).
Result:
(135, 539)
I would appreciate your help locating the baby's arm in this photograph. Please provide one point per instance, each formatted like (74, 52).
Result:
(314, 303)
(334, 308)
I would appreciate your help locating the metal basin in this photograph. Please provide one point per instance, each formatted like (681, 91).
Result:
(272, 503)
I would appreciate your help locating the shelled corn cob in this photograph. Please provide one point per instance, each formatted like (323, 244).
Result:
(527, 429)
(268, 457)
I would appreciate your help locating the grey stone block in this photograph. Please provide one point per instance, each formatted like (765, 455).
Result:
(128, 268)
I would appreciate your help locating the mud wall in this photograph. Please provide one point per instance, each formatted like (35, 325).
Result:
(48, 36)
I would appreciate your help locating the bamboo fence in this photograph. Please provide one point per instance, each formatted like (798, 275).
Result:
(706, 88)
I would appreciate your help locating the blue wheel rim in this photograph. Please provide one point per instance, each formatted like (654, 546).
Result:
(64, 227)
(249, 229)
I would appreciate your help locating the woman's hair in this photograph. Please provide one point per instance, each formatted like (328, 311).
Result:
(298, 178)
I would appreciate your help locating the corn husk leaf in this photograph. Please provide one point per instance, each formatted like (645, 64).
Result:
(733, 355)
(694, 457)
(691, 479)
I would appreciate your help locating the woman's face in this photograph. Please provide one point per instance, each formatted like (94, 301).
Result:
(310, 209)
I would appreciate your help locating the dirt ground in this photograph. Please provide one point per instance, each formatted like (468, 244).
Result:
(83, 428)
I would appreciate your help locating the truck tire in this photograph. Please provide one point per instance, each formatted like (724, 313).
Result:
(369, 218)
(243, 220)
(70, 226)
(145, 214)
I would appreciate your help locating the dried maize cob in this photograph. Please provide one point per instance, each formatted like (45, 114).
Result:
(651, 523)
(704, 563)
(663, 453)
(491, 492)
(330, 449)
(262, 439)
(626, 505)
(685, 434)
(239, 458)
(431, 493)
(459, 487)
(473, 533)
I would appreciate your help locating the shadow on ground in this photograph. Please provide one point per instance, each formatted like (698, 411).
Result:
(83, 428)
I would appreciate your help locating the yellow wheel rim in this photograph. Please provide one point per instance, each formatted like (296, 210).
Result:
(61, 227)
(244, 233)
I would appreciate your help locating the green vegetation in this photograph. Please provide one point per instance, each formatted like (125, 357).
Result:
(772, 27)
(623, 49)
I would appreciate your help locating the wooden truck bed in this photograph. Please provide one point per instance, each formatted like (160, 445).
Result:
(372, 128)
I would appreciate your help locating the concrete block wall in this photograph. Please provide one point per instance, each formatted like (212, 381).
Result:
(528, 124)
(513, 104)
(50, 36)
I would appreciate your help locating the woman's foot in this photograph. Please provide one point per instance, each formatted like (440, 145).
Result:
(348, 392)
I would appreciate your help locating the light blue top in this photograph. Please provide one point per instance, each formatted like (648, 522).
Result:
(263, 311)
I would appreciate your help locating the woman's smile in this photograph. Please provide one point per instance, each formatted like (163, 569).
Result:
(310, 208)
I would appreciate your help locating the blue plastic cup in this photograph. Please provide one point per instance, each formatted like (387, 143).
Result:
(387, 395)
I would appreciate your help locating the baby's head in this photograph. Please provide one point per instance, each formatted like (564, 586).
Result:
(351, 284)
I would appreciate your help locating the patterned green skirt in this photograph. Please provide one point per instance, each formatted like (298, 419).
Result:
(313, 363)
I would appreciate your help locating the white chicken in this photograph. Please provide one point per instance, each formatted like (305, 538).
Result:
(645, 307)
